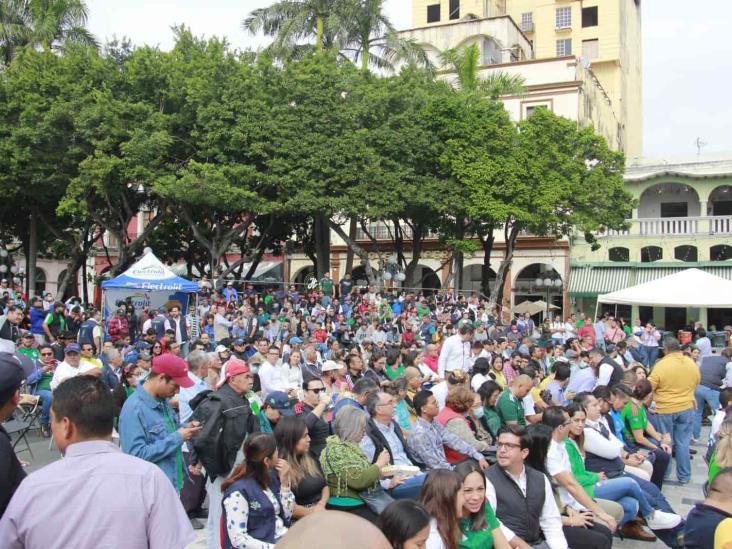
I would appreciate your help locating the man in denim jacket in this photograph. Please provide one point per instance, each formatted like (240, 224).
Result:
(148, 425)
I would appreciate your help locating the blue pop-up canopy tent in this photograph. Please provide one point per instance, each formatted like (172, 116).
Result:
(150, 284)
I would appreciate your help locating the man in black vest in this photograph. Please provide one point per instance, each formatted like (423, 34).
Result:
(383, 433)
(158, 323)
(513, 489)
(179, 325)
(608, 371)
(713, 371)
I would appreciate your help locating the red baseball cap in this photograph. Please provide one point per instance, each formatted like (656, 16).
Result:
(233, 367)
(174, 367)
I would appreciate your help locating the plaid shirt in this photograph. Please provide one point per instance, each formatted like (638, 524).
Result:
(428, 440)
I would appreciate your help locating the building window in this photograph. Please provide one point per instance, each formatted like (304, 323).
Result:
(674, 209)
(491, 52)
(589, 16)
(721, 252)
(527, 22)
(564, 47)
(649, 254)
(686, 253)
(531, 109)
(454, 9)
(590, 49)
(433, 13)
(564, 18)
(619, 254)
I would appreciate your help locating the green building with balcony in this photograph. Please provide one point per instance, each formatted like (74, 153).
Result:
(682, 219)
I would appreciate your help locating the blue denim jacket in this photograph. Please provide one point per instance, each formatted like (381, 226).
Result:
(144, 431)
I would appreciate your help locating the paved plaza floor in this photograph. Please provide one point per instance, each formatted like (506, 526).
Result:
(682, 498)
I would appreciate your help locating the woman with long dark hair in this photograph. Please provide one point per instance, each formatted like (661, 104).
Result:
(479, 526)
(306, 479)
(489, 393)
(442, 497)
(257, 502)
(406, 524)
(157, 349)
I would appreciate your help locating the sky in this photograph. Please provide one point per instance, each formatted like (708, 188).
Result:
(687, 57)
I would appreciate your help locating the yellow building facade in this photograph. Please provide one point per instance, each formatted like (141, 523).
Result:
(605, 34)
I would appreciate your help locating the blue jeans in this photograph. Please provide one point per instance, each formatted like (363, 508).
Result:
(410, 488)
(46, 397)
(710, 396)
(649, 354)
(628, 494)
(680, 426)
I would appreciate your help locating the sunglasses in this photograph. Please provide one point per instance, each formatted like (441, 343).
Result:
(317, 390)
(46, 354)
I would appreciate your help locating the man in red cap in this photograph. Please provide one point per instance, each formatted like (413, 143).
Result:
(148, 425)
(227, 419)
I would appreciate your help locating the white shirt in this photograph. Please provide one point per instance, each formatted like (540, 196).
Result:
(597, 444)
(477, 381)
(557, 462)
(705, 346)
(434, 541)
(440, 393)
(528, 404)
(274, 378)
(550, 520)
(454, 355)
(66, 371)
(427, 372)
(604, 373)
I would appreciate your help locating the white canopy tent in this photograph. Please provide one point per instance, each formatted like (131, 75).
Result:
(687, 288)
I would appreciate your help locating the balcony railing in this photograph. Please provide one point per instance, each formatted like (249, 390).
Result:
(381, 231)
(660, 226)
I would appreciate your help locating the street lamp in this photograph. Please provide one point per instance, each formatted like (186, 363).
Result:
(548, 280)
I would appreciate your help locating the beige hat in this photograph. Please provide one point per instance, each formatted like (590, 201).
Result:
(329, 365)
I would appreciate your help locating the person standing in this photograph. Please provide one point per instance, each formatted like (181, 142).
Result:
(106, 498)
(11, 378)
(674, 379)
(9, 327)
(72, 366)
(148, 425)
(455, 352)
(179, 325)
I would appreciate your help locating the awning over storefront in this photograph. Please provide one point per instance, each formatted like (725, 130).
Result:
(591, 281)
(654, 273)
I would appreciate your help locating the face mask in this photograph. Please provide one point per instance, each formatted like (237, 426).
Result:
(479, 412)
(254, 369)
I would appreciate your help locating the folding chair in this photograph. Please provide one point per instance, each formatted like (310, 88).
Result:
(18, 430)
(29, 409)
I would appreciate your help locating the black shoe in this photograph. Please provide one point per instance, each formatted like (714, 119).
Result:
(197, 524)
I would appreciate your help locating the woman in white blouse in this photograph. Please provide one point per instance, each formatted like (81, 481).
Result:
(294, 373)
(258, 502)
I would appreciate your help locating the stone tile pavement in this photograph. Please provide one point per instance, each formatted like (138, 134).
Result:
(682, 498)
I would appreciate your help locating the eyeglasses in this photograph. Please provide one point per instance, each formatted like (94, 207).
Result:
(507, 445)
(46, 354)
(317, 390)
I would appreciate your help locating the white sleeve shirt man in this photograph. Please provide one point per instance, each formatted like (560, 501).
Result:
(557, 462)
(273, 378)
(454, 355)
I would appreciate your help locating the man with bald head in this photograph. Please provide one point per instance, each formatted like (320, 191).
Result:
(510, 404)
(706, 516)
(333, 530)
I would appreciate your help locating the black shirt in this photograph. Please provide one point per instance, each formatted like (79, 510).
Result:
(700, 526)
(11, 472)
(318, 429)
(309, 490)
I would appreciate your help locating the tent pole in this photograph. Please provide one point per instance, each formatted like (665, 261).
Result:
(597, 309)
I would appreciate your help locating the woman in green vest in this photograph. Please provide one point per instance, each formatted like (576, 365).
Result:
(478, 525)
(722, 456)
(489, 393)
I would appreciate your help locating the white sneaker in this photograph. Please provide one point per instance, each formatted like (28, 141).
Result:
(661, 520)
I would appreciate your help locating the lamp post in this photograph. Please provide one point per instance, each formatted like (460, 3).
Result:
(548, 280)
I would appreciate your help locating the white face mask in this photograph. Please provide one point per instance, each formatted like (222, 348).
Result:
(479, 412)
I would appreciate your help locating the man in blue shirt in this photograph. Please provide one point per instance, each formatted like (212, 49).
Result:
(148, 425)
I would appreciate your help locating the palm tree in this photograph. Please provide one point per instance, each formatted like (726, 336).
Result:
(465, 62)
(47, 24)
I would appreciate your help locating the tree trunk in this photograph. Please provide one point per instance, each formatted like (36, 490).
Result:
(322, 245)
(417, 239)
(352, 228)
(358, 250)
(487, 242)
(72, 272)
(320, 29)
(497, 293)
(32, 252)
(459, 256)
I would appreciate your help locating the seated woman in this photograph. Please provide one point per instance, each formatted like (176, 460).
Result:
(722, 456)
(481, 367)
(579, 528)
(479, 526)
(346, 468)
(453, 418)
(624, 490)
(406, 524)
(489, 393)
(636, 426)
(306, 479)
(496, 371)
(257, 501)
(403, 411)
(442, 497)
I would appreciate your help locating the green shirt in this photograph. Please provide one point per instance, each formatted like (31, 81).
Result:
(30, 353)
(422, 311)
(510, 409)
(179, 474)
(392, 373)
(714, 469)
(634, 417)
(587, 479)
(481, 539)
(492, 419)
(326, 285)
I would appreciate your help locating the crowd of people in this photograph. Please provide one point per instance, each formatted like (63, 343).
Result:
(437, 421)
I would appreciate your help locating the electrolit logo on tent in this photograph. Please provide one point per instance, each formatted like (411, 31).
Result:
(148, 271)
(140, 300)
